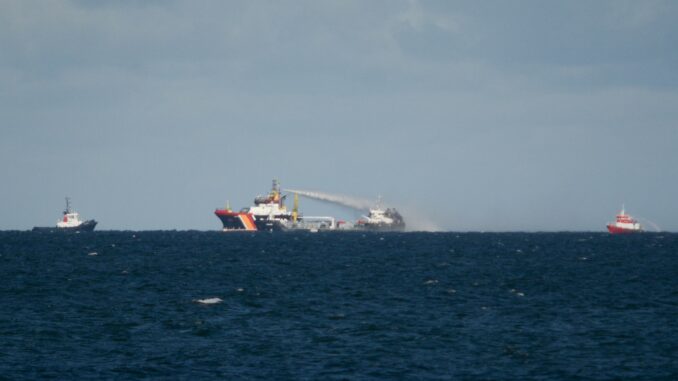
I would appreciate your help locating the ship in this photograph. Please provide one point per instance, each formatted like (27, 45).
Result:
(380, 219)
(268, 213)
(70, 222)
(624, 224)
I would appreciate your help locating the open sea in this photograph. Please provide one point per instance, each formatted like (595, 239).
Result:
(338, 305)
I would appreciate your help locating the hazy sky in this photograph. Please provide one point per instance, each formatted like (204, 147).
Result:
(492, 115)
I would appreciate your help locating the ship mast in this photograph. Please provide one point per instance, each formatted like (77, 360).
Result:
(275, 191)
(295, 210)
(68, 205)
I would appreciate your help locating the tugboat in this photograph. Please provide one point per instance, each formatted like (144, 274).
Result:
(268, 214)
(381, 220)
(70, 222)
(625, 224)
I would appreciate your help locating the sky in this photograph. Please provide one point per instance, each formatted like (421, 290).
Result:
(466, 115)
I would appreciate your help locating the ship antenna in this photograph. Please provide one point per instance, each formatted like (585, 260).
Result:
(68, 205)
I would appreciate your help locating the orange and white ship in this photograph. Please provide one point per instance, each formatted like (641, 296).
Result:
(268, 213)
(625, 224)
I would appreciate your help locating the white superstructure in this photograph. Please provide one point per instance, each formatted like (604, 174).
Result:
(378, 216)
(71, 219)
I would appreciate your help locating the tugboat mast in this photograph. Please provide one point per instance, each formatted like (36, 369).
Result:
(68, 205)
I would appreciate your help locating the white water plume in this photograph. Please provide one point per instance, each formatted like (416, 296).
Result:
(417, 221)
(648, 222)
(414, 221)
(359, 204)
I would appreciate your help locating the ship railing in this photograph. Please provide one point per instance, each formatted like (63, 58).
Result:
(331, 220)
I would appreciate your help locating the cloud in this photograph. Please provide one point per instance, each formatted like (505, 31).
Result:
(411, 98)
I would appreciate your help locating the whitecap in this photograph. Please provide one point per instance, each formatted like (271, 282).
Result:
(93, 253)
(209, 300)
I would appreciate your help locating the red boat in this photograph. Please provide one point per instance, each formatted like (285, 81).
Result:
(625, 224)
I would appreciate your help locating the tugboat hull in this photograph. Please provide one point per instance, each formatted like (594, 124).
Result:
(617, 230)
(86, 226)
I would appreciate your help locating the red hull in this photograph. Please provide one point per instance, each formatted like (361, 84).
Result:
(234, 221)
(617, 230)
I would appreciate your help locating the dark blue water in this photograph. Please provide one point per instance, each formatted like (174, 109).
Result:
(338, 306)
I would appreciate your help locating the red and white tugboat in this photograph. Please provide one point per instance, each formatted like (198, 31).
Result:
(625, 224)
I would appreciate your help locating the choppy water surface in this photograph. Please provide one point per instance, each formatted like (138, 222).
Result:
(123, 305)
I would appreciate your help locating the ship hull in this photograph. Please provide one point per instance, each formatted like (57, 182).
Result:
(617, 230)
(86, 226)
(235, 221)
(269, 225)
(381, 227)
(242, 221)
(397, 226)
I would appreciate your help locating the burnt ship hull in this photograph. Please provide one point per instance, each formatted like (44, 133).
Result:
(395, 227)
(86, 226)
